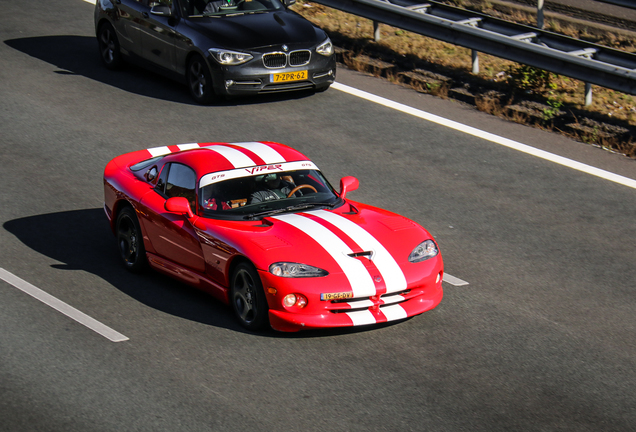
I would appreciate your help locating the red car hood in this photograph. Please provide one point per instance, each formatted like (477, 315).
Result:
(338, 241)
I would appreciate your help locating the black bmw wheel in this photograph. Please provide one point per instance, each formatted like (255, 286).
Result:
(109, 47)
(200, 80)
(130, 240)
(248, 298)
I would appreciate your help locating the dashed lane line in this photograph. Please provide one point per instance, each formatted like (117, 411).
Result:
(62, 307)
(453, 280)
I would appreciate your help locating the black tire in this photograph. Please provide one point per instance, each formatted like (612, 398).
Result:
(130, 241)
(200, 80)
(109, 50)
(248, 298)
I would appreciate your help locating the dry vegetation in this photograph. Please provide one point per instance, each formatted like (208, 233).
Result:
(503, 88)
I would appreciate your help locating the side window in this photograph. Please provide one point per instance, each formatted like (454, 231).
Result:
(181, 182)
(161, 183)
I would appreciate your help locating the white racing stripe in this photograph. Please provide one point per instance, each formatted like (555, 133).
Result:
(189, 146)
(394, 312)
(159, 151)
(625, 181)
(263, 151)
(237, 158)
(361, 317)
(62, 307)
(361, 283)
(388, 268)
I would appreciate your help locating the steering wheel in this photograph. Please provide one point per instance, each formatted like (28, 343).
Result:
(297, 188)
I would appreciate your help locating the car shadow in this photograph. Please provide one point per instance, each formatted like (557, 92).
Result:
(82, 240)
(78, 55)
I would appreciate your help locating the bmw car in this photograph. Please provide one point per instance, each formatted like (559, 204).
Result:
(217, 47)
(258, 226)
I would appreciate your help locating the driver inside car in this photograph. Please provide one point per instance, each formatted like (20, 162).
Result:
(271, 187)
(214, 5)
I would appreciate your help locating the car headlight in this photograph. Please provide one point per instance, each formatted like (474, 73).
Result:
(425, 250)
(325, 48)
(227, 57)
(295, 270)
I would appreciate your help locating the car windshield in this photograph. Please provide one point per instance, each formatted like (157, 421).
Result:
(232, 7)
(258, 196)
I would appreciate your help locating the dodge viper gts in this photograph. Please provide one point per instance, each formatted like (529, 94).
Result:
(258, 226)
(217, 47)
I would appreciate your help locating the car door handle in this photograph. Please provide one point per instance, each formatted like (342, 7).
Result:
(145, 15)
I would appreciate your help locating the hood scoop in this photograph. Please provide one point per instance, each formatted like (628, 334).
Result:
(365, 254)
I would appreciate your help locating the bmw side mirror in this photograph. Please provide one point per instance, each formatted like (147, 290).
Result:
(348, 184)
(161, 10)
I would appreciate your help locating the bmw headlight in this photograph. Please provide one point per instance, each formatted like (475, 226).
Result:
(295, 270)
(325, 48)
(230, 58)
(425, 250)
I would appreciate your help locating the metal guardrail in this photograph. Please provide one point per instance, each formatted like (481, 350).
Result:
(523, 44)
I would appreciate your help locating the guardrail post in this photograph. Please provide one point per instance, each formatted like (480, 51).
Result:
(376, 31)
(588, 94)
(475, 56)
(540, 14)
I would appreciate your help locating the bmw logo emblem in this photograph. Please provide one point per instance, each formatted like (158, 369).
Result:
(285, 48)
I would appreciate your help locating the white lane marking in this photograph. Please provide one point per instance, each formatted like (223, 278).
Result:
(62, 307)
(453, 280)
(90, 1)
(263, 151)
(361, 283)
(625, 181)
(388, 268)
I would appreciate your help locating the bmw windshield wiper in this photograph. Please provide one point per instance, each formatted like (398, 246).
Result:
(296, 207)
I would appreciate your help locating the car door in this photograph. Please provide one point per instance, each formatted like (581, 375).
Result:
(171, 234)
(128, 24)
(159, 35)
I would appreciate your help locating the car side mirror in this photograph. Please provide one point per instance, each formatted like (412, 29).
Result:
(179, 205)
(161, 10)
(288, 3)
(182, 205)
(348, 184)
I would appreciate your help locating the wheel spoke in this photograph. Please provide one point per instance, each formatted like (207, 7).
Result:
(244, 296)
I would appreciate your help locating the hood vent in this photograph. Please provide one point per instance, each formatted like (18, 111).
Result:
(366, 254)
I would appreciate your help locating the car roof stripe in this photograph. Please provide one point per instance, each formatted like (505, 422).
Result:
(159, 151)
(359, 278)
(265, 152)
(188, 146)
(237, 158)
(386, 264)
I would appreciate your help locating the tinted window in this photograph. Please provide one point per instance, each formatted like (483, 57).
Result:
(181, 183)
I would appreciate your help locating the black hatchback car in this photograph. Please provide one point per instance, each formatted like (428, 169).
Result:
(217, 47)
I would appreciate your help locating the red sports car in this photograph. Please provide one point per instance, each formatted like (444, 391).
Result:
(257, 225)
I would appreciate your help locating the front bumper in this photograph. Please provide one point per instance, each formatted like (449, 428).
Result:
(254, 78)
(419, 297)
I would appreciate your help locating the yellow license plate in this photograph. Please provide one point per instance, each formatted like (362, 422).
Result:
(289, 76)
(336, 296)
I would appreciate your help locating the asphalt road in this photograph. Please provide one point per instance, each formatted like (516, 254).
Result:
(543, 338)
